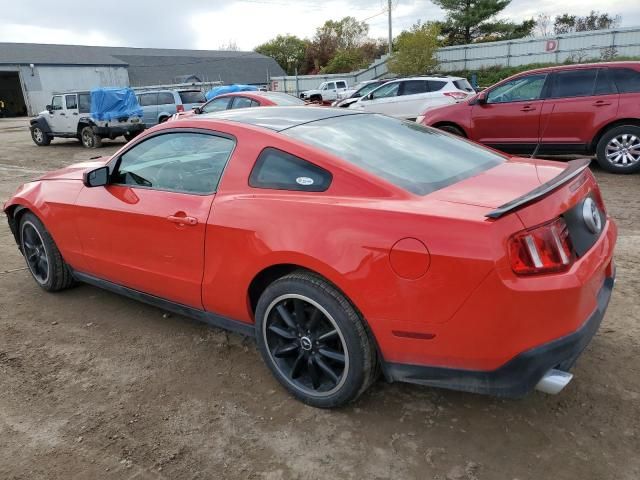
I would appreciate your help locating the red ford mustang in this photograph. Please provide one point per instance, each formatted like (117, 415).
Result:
(347, 243)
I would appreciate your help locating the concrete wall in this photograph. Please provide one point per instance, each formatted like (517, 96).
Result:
(39, 84)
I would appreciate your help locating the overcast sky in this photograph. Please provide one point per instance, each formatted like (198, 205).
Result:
(209, 25)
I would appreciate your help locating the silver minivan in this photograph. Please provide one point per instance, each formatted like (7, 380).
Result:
(159, 105)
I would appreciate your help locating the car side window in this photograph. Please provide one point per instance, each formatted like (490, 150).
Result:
(278, 170)
(71, 101)
(216, 105)
(341, 84)
(84, 103)
(385, 91)
(166, 98)
(148, 99)
(184, 162)
(604, 85)
(573, 83)
(241, 102)
(254, 103)
(519, 89)
(413, 87)
(626, 79)
(56, 102)
(435, 85)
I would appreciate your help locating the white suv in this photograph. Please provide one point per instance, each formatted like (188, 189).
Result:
(409, 97)
(326, 92)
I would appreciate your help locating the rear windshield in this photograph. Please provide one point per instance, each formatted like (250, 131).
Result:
(192, 97)
(415, 158)
(284, 99)
(463, 85)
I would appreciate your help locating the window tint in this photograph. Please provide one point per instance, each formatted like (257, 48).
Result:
(463, 84)
(241, 102)
(148, 99)
(192, 97)
(166, 98)
(366, 89)
(341, 84)
(518, 90)
(56, 103)
(435, 85)
(84, 103)
(216, 105)
(413, 87)
(181, 162)
(71, 101)
(283, 98)
(387, 90)
(626, 79)
(423, 159)
(330, 86)
(573, 83)
(604, 85)
(279, 170)
(254, 103)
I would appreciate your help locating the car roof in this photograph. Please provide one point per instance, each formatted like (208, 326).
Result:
(574, 66)
(279, 118)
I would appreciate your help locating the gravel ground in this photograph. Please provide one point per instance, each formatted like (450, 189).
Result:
(93, 385)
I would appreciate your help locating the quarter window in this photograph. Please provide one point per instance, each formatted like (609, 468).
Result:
(279, 170)
(180, 162)
(71, 102)
(520, 89)
(574, 83)
(216, 105)
(627, 80)
(435, 85)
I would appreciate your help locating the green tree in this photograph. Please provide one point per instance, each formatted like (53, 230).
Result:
(415, 50)
(566, 23)
(288, 50)
(336, 35)
(346, 61)
(470, 21)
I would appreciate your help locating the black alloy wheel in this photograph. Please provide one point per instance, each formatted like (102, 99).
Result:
(35, 253)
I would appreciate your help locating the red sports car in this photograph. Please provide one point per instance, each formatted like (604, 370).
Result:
(235, 100)
(346, 243)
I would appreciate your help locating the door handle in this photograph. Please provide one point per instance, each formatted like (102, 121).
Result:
(64, 114)
(600, 103)
(75, 113)
(191, 221)
(527, 108)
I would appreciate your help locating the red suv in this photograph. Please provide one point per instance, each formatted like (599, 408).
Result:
(576, 109)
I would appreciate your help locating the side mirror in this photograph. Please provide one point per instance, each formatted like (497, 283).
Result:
(96, 178)
(367, 97)
(49, 108)
(197, 110)
(481, 99)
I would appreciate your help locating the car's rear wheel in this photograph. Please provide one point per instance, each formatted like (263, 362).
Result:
(314, 341)
(89, 138)
(618, 150)
(452, 129)
(39, 137)
(43, 258)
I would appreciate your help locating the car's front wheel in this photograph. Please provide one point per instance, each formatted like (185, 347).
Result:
(39, 137)
(43, 258)
(314, 341)
(618, 150)
(89, 138)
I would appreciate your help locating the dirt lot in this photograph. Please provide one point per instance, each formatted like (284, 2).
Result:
(93, 385)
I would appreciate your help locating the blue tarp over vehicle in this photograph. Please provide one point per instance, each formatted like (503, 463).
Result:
(114, 103)
(215, 91)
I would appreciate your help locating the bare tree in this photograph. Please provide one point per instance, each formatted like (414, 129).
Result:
(544, 27)
(230, 45)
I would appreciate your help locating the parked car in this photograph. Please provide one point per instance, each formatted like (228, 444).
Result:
(69, 115)
(159, 105)
(389, 247)
(571, 109)
(242, 100)
(326, 92)
(363, 90)
(351, 90)
(409, 97)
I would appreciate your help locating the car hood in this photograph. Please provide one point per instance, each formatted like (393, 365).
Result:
(75, 171)
(501, 184)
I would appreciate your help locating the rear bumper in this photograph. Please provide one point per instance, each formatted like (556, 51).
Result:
(117, 130)
(518, 376)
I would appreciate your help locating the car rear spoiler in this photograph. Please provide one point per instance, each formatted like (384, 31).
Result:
(574, 168)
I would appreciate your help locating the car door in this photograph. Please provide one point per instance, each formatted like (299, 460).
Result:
(411, 100)
(145, 230)
(579, 103)
(166, 106)
(57, 117)
(71, 104)
(381, 99)
(330, 92)
(510, 117)
(149, 104)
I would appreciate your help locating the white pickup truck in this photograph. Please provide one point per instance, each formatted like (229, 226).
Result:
(326, 92)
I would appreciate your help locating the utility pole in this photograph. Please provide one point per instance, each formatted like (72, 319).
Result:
(390, 34)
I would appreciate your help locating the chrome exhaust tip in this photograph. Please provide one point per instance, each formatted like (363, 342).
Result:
(554, 381)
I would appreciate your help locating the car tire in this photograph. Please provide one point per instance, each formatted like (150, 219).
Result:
(89, 138)
(315, 98)
(452, 129)
(163, 119)
(617, 146)
(44, 261)
(39, 137)
(314, 341)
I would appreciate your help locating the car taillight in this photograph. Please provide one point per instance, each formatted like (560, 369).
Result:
(543, 249)
(456, 95)
(180, 108)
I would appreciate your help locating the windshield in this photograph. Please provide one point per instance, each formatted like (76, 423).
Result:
(415, 158)
(366, 89)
